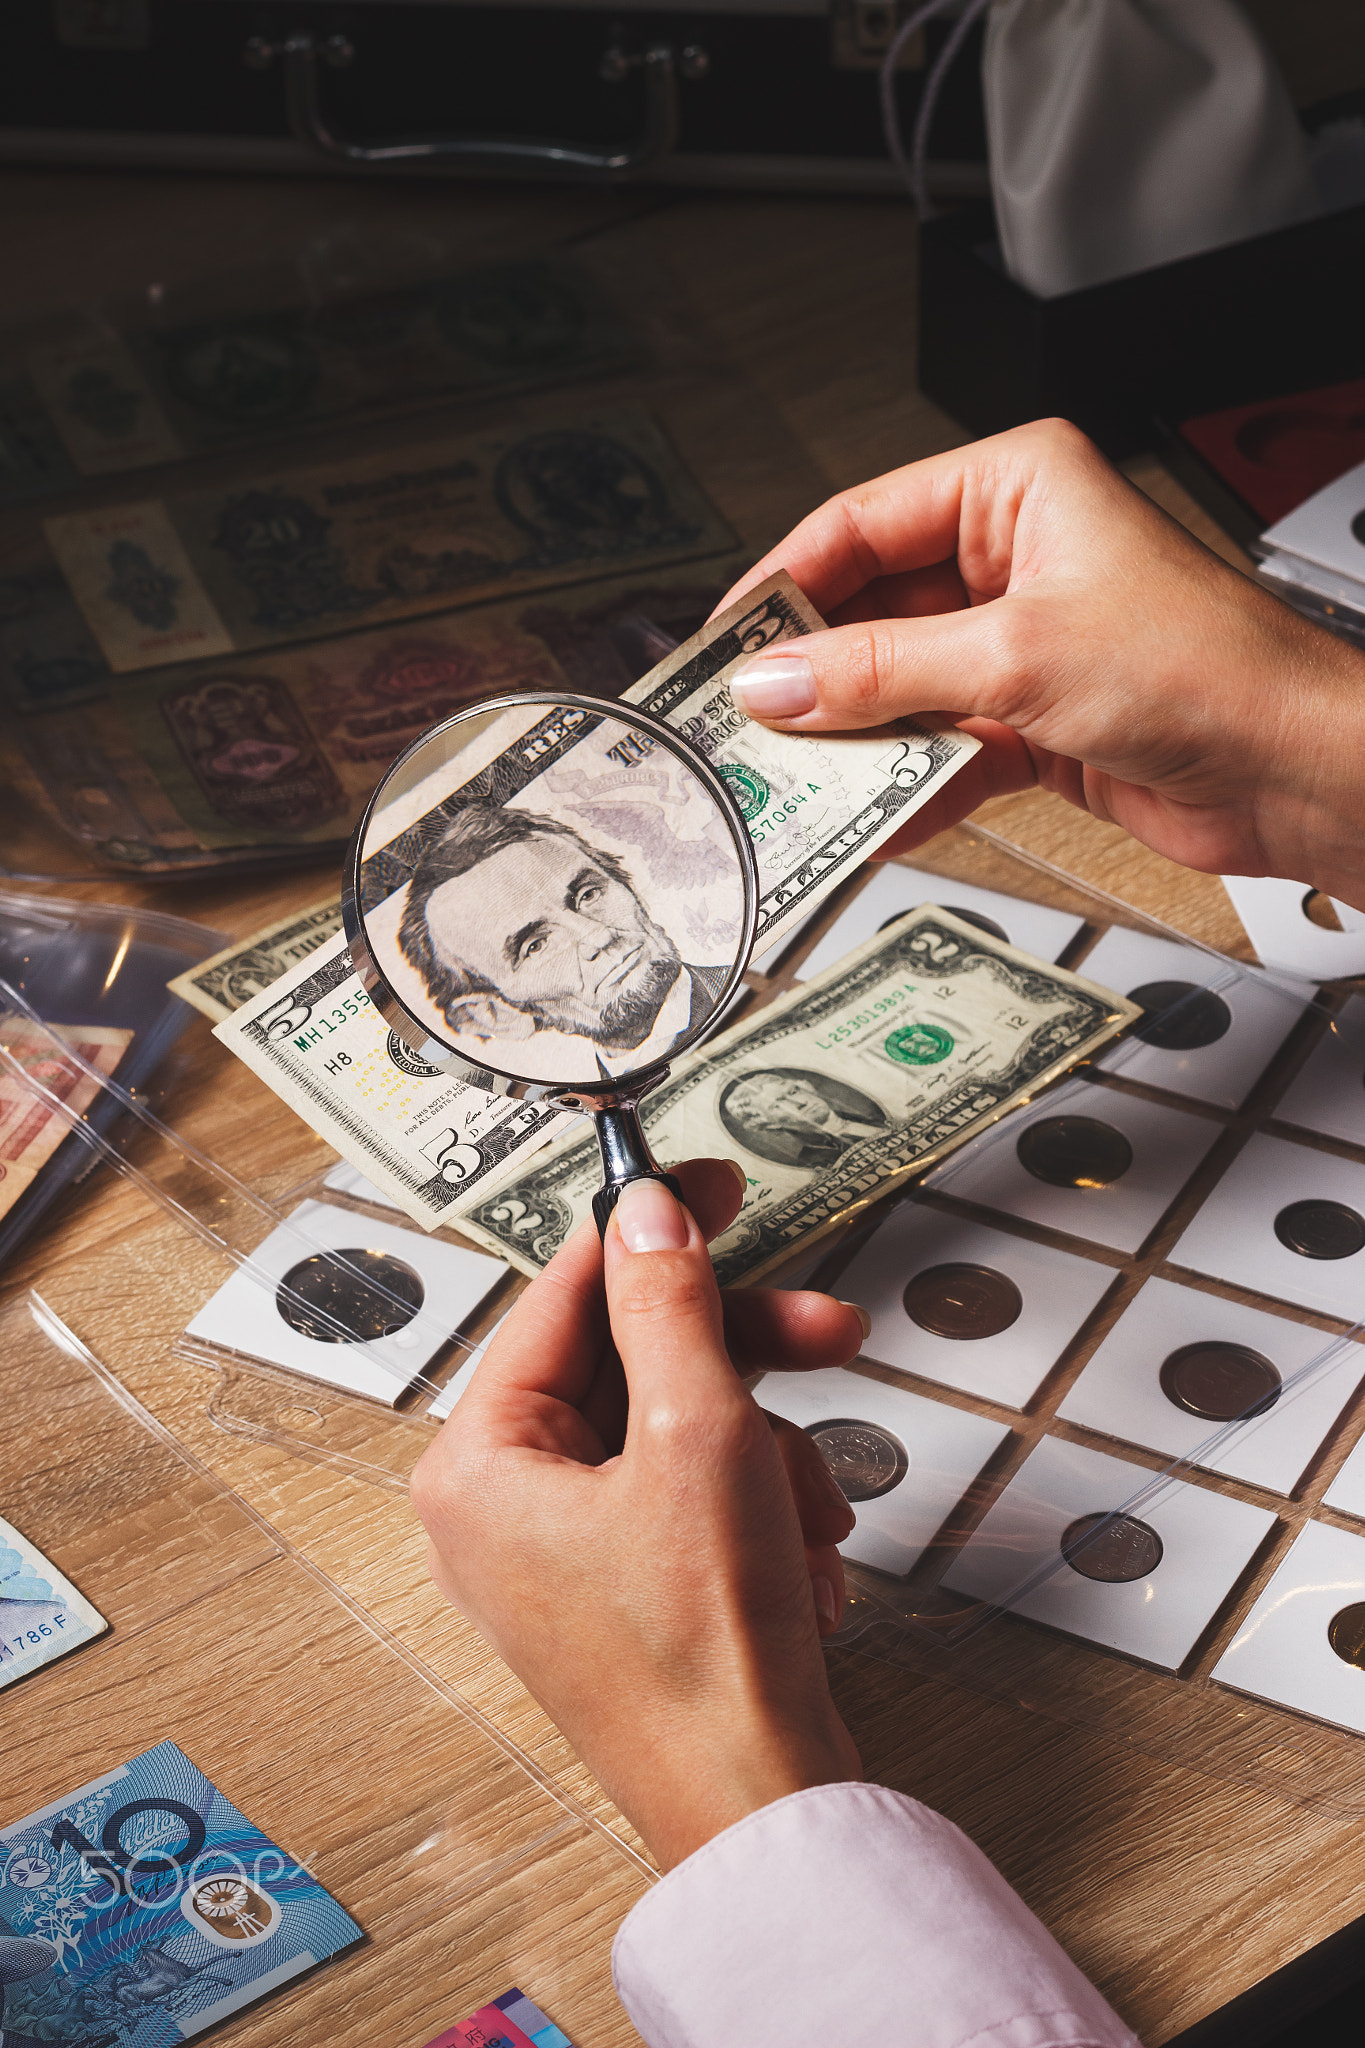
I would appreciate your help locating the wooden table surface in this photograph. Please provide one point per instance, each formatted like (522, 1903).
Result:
(320, 1679)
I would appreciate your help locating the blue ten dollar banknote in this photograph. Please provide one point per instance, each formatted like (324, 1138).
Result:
(144, 1908)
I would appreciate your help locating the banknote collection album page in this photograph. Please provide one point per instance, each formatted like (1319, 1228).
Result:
(532, 468)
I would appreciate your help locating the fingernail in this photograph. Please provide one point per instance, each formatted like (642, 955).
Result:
(826, 1601)
(863, 1317)
(781, 688)
(649, 1219)
(740, 1175)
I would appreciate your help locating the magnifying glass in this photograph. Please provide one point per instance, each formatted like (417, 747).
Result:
(554, 898)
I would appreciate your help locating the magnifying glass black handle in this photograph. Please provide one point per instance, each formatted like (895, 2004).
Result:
(625, 1157)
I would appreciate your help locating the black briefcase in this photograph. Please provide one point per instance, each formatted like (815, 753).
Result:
(764, 94)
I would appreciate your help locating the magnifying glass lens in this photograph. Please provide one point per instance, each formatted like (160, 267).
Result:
(558, 893)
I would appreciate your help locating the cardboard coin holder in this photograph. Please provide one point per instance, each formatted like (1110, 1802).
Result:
(1212, 1030)
(1180, 1366)
(1155, 1149)
(1301, 1645)
(243, 1316)
(1328, 1092)
(1287, 940)
(1193, 1544)
(1275, 1190)
(942, 1448)
(1347, 1491)
(939, 1290)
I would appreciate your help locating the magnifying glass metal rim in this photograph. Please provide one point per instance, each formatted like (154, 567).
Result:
(599, 1092)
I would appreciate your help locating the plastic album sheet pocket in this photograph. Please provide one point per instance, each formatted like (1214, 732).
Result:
(327, 1293)
(1328, 1092)
(1303, 1643)
(1288, 1221)
(1211, 1028)
(89, 978)
(356, 1303)
(1059, 1546)
(1193, 1376)
(969, 1306)
(892, 890)
(902, 1461)
(93, 1485)
(1088, 1160)
(345, 1336)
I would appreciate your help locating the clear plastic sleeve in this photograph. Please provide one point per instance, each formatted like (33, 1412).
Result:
(1111, 1393)
(285, 1286)
(457, 1855)
(102, 1490)
(97, 974)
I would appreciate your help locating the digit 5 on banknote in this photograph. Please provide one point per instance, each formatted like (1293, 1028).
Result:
(838, 1092)
(422, 1137)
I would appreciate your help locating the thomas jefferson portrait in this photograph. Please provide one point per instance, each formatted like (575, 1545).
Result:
(796, 1118)
(517, 925)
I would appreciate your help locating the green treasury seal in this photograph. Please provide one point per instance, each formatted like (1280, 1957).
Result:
(919, 1045)
(746, 786)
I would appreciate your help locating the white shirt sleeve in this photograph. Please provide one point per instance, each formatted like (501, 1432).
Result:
(843, 1913)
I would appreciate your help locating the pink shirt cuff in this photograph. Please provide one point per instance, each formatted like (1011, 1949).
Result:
(849, 1912)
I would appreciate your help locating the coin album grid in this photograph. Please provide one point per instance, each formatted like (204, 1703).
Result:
(1090, 1294)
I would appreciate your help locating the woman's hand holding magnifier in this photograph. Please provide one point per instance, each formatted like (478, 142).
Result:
(653, 1555)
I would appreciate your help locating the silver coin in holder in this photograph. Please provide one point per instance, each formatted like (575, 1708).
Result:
(350, 1296)
(863, 1459)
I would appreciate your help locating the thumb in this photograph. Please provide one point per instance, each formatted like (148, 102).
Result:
(665, 1307)
(962, 663)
